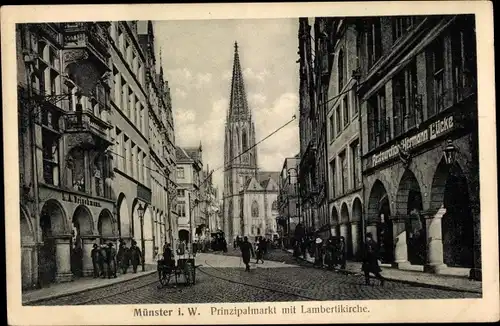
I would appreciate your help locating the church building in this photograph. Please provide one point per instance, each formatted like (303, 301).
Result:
(250, 196)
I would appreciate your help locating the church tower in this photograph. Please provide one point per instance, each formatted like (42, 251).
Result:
(240, 155)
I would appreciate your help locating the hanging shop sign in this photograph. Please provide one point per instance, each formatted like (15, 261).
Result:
(71, 198)
(434, 130)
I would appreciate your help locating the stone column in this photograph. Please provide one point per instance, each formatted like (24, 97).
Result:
(400, 246)
(334, 230)
(476, 272)
(63, 258)
(344, 228)
(88, 243)
(434, 262)
(26, 266)
(355, 237)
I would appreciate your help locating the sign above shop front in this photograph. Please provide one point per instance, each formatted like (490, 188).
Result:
(71, 198)
(143, 193)
(434, 130)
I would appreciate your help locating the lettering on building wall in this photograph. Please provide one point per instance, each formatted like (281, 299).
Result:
(80, 200)
(434, 130)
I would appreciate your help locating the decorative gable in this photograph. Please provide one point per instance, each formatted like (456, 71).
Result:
(272, 185)
(254, 185)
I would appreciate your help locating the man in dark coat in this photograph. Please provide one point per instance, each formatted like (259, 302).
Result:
(168, 256)
(102, 261)
(111, 260)
(123, 258)
(370, 260)
(94, 254)
(135, 256)
(246, 253)
(261, 250)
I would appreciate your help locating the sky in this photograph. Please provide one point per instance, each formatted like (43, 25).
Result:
(197, 59)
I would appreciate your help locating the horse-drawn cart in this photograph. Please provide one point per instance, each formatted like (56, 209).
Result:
(176, 268)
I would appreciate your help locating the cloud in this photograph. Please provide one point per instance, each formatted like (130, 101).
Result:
(285, 142)
(226, 76)
(183, 117)
(260, 76)
(256, 99)
(179, 93)
(202, 79)
(179, 75)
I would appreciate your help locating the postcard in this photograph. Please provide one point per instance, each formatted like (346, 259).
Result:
(250, 163)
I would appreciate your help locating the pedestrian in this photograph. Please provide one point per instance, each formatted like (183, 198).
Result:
(94, 254)
(224, 245)
(318, 252)
(111, 260)
(135, 256)
(370, 260)
(261, 250)
(246, 253)
(102, 261)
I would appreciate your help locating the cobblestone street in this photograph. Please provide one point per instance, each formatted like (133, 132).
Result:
(221, 279)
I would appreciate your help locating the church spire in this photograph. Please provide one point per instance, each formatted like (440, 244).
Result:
(238, 105)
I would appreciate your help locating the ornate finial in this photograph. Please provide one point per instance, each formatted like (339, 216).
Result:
(236, 46)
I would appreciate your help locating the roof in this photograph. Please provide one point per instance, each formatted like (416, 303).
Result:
(264, 176)
(181, 155)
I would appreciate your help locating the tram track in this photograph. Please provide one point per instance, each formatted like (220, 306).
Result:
(261, 287)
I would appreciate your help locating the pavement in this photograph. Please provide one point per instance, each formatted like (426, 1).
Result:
(445, 282)
(220, 277)
(83, 284)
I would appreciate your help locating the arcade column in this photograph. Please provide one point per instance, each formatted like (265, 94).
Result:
(63, 258)
(88, 243)
(355, 238)
(400, 246)
(435, 261)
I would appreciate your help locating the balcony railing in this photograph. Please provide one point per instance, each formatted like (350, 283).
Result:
(85, 121)
(90, 35)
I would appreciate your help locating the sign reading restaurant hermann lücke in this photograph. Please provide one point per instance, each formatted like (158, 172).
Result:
(434, 130)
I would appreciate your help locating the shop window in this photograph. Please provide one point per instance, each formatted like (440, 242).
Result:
(345, 106)
(343, 172)
(50, 152)
(98, 173)
(405, 95)
(437, 71)
(355, 164)
(76, 167)
(374, 41)
(377, 121)
(255, 209)
(463, 51)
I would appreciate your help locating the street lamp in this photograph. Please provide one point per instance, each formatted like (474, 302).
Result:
(140, 211)
(450, 152)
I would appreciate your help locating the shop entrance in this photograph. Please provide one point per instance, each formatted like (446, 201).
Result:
(385, 233)
(457, 223)
(82, 225)
(52, 222)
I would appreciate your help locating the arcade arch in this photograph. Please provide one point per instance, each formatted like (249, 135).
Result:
(450, 192)
(379, 222)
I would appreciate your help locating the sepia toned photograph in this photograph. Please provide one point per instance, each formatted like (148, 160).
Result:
(321, 159)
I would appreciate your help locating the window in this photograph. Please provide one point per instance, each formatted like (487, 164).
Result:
(180, 173)
(463, 50)
(333, 177)
(437, 70)
(340, 70)
(181, 192)
(400, 25)
(356, 163)
(181, 209)
(134, 160)
(50, 159)
(244, 140)
(124, 96)
(332, 128)
(343, 172)
(378, 132)
(127, 154)
(119, 148)
(274, 206)
(374, 41)
(404, 91)
(255, 209)
(338, 122)
(345, 106)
